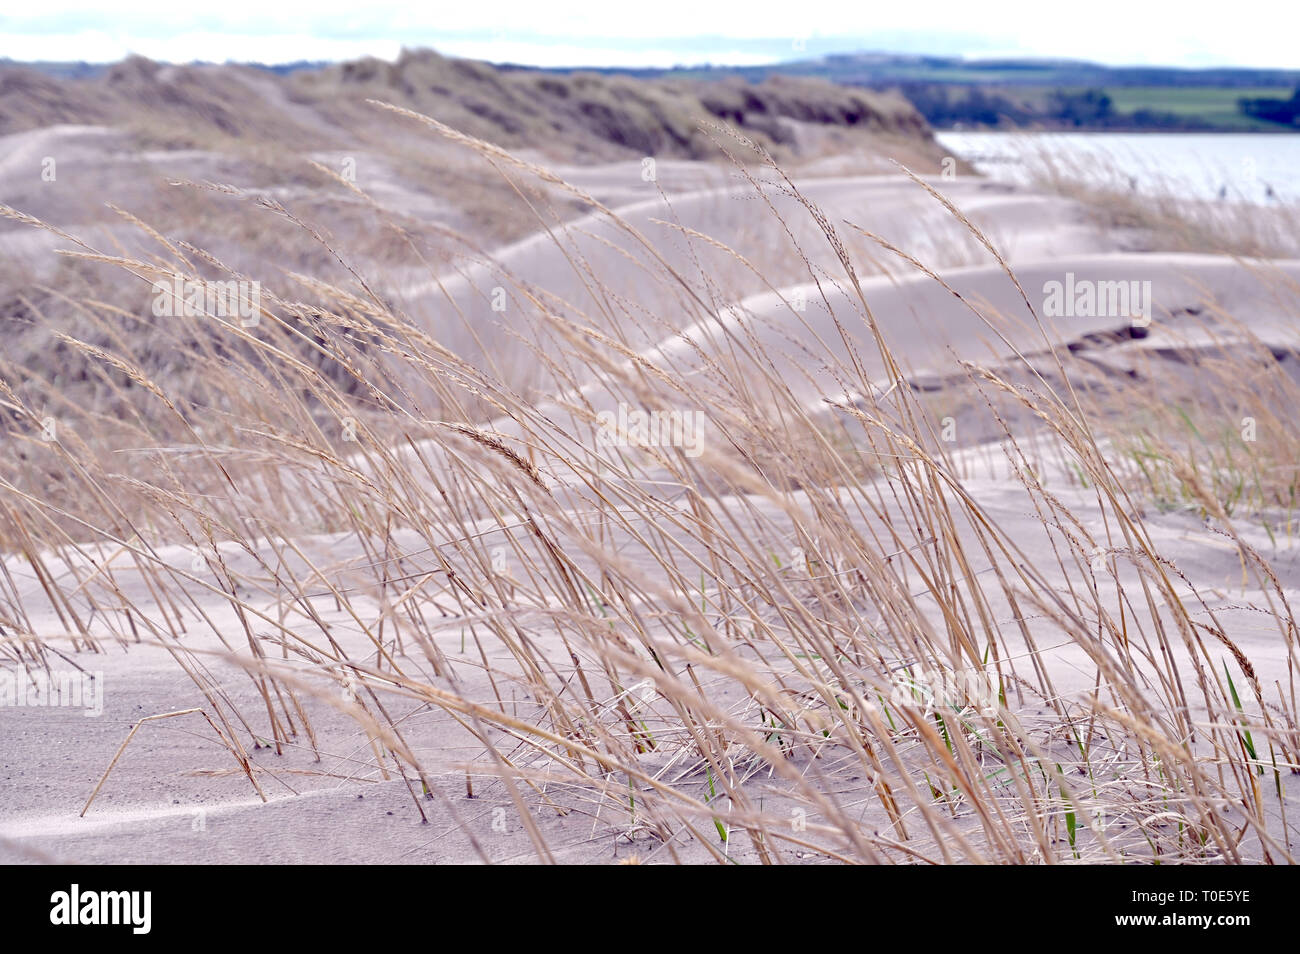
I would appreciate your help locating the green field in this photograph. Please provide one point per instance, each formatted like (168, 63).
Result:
(1199, 98)
(1213, 104)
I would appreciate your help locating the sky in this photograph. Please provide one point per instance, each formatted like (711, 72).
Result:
(1191, 33)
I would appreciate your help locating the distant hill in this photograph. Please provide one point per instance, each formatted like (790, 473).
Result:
(572, 115)
(861, 69)
(875, 68)
(891, 69)
(949, 92)
(64, 70)
(1048, 93)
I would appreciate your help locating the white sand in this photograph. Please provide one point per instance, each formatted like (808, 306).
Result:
(176, 795)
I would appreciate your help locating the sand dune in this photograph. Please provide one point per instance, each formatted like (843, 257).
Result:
(553, 263)
(178, 795)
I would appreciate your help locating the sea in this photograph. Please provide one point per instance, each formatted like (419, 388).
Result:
(1256, 168)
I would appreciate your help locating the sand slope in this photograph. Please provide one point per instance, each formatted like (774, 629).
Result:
(177, 795)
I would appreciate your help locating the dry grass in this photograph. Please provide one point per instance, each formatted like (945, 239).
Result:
(1174, 222)
(1205, 421)
(706, 650)
(583, 116)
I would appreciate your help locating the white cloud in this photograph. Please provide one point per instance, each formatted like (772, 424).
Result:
(1112, 31)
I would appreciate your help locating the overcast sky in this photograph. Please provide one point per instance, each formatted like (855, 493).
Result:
(1264, 33)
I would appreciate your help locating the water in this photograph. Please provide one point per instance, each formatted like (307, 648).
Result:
(1258, 168)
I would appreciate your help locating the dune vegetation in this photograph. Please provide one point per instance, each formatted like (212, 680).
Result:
(869, 614)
